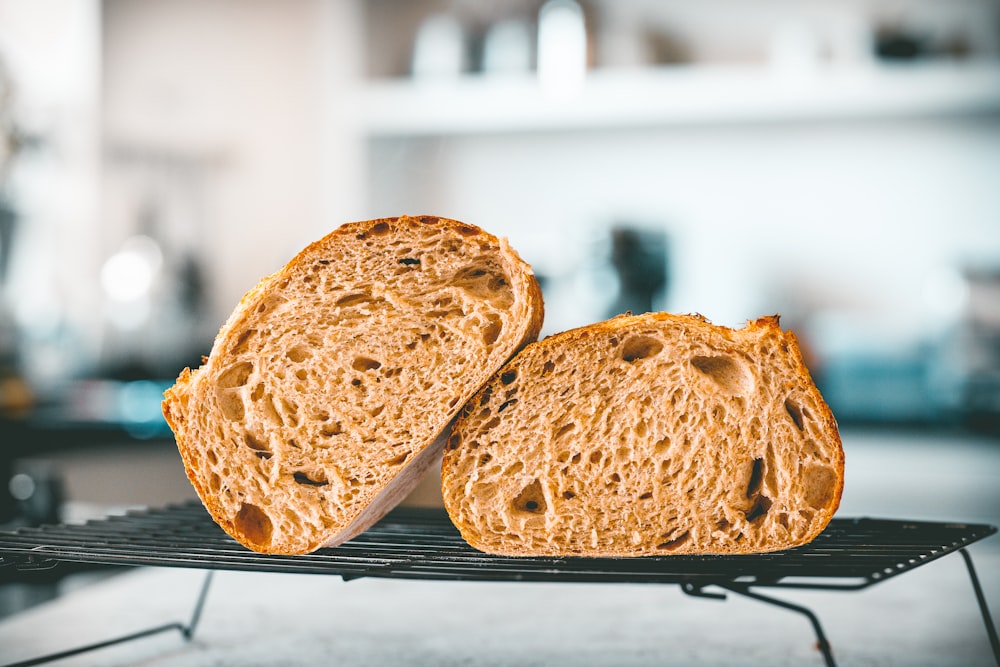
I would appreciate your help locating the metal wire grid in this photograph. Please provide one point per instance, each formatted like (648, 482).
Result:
(420, 543)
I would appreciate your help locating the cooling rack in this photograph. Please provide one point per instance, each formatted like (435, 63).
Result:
(421, 543)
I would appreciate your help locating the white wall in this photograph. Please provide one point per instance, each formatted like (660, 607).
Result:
(52, 51)
(853, 216)
(219, 106)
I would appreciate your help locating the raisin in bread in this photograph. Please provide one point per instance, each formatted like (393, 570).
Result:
(327, 390)
(646, 435)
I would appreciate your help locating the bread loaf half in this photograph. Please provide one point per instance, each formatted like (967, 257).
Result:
(326, 391)
(646, 435)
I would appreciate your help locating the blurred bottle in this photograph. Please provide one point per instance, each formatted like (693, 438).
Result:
(562, 48)
(640, 258)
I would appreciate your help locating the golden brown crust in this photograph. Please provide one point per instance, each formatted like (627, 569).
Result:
(460, 475)
(188, 401)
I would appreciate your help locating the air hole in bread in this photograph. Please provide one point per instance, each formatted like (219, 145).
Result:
(646, 496)
(783, 519)
(616, 478)
(254, 524)
(235, 376)
(795, 412)
(355, 299)
(466, 230)
(662, 445)
(242, 343)
(380, 229)
(508, 377)
(215, 483)
(365, 364)
(316, 478)
(568, 495)
(261, 448)
(301, 374)
(514, 468)
(506, 404)
(756, 478)
(759, 509)
(641, 347)
(564, 429)
(548, 367)
(725, 371)
(531, 499)
(675, 543)
(330, 430)
(820, 483)
(409, 261)
(399, 459)
(486, 395)
(576, 458)
(271, 412)
(454, 441)
(231, 406)
(484, 279)
(258, 392)
(493, 329)
(596, 456)
(722, 524)
(299, 353)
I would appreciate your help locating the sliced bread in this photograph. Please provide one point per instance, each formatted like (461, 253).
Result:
(328, 388)
(646, 435)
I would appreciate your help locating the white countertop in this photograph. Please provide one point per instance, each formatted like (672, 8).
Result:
(925, 617)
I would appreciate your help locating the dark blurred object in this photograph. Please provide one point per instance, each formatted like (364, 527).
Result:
(37, 490)
(896, 42)
(8, 217)
(893, 42)
(8, 330)
(639, 257)
(666, 48)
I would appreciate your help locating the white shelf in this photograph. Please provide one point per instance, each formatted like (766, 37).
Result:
(680, 95)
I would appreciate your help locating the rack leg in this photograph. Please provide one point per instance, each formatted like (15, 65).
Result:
(983, 608)
(821, 641)
(187, 631)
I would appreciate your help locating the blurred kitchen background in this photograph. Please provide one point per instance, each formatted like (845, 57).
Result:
(837, 162)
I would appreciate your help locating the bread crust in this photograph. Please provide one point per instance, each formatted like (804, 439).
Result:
(460, 476)
(188, 403)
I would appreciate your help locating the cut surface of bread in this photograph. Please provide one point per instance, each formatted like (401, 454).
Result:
(328, 389)
(645, 435)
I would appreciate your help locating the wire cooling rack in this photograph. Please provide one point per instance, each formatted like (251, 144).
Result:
(421, 543)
